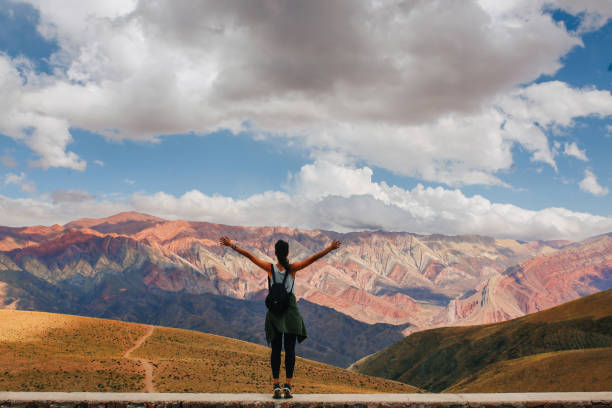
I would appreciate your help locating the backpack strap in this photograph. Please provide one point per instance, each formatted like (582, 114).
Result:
(271, 274)
(285, 278)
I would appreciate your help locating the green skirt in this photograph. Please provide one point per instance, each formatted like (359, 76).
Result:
(288, 322)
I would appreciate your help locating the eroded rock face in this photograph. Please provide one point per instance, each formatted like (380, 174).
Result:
(539, 283)
(374, 277)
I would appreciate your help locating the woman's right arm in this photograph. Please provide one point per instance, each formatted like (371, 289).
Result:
(302, 264)
(259, 262)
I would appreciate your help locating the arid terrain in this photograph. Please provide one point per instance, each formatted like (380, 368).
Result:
(576, 370)
(51, 352)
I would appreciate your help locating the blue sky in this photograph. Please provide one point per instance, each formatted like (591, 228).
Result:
(273, 115)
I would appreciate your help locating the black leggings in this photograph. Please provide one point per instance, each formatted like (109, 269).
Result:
(275, 356)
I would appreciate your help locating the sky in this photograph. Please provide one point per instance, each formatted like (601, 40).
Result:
(451, 117)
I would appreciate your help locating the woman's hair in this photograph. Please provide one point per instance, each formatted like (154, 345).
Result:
(281, 248)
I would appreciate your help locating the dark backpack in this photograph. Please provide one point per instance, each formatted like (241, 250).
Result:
(277, 300)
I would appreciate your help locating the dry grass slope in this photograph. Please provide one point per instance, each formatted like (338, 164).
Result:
(189, 361)
(573, 370)
(53, 352)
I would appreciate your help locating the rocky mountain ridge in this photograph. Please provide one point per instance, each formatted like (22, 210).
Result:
(539, 283)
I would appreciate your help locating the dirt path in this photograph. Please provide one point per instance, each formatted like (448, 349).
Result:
(145, 363)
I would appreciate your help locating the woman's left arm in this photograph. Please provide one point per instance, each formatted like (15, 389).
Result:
(259, 262)
(302, 264)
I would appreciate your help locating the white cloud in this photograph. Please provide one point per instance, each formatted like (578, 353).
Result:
(533, 109)
(99, 163)
(23, 118)
(572, 149)
(595, 13)
(468, 148)
(42, 211)
(433, 90)
(590, 185)
(557, 103)
(12, 178)
(323, 178)
(391, 83)
(20, 180)
(363, 204)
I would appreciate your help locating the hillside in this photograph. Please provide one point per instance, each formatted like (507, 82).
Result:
(438, 359)
(571, 370)
(54, 352)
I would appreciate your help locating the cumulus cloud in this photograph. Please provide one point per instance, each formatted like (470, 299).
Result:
(310, 202)
(469, 148)
(425, 89)
(23, 118)
(590, 185)
(556, 103)
(572, 149)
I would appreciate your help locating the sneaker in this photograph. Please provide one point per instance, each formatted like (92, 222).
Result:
(287, 391)
(277, 391)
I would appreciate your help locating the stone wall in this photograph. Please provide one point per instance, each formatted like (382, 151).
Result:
(145, 400)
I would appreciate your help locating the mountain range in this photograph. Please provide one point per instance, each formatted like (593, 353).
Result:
(377, 287)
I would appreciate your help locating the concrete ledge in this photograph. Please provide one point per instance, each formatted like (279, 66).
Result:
(151, 400)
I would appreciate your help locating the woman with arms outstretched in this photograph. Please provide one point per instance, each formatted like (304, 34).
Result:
(288, 325)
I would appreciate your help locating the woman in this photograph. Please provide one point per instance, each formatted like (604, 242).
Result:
(288, 325)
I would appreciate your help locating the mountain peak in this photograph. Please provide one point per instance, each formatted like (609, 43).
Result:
(120, 218)
(131, 216)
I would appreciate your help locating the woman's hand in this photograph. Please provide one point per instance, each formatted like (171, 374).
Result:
(227, 242)
(335, 245)
(262, 264)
